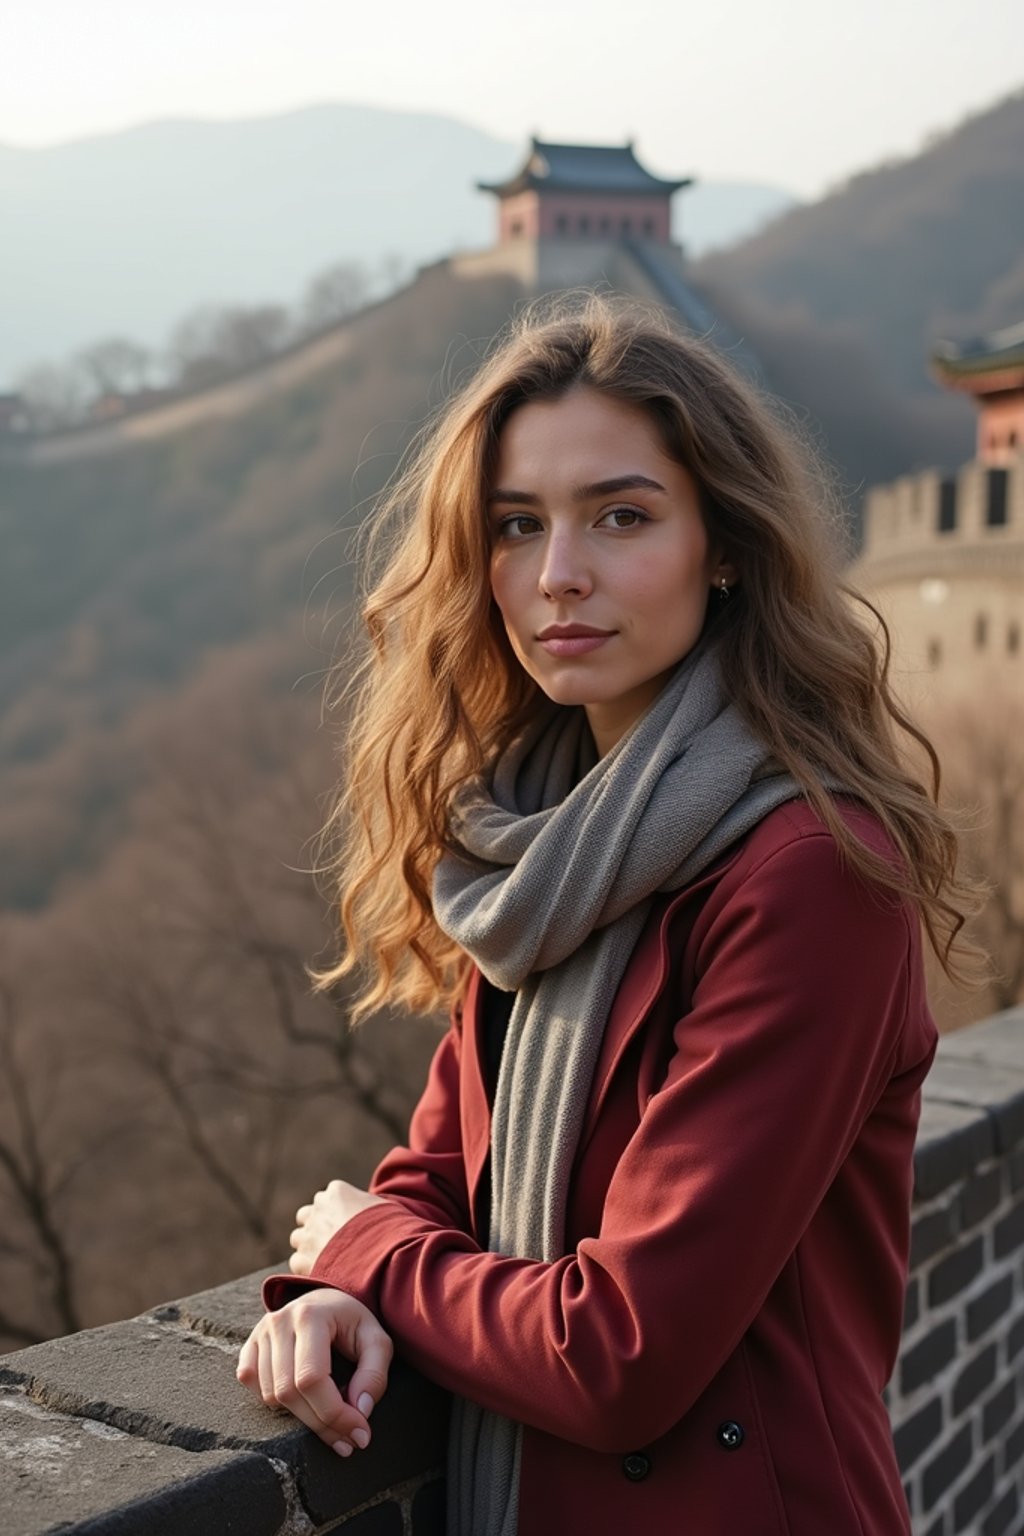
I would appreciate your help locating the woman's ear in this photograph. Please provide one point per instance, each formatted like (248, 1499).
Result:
(724, 572)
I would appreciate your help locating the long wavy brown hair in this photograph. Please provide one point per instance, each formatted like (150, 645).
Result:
(438, 692)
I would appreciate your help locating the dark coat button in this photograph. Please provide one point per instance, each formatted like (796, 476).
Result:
(731, 1435)
(636, 1466)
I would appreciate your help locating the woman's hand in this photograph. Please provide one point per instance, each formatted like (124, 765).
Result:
(317, 1223)
(286, 1361)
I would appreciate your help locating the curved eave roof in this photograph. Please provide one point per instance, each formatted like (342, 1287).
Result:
(600, 168)
(985, 365)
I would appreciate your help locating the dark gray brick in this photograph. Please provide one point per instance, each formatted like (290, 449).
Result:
(976, 1375)
(428, 1510)
(77, 1475)
(912, 1303)
(999, 1410)
(931, 1234)
(1008, 1234)
(956, 1271)
(974, 1495)
(979, 1197)
(999, 1517)
(938, 1527)
(989, 1306)
(944, 1469)
(1013, 1448)
(1016, 1166)
(917, 1434)
(1014, 1339)
(928, 1356)
(951, 1141)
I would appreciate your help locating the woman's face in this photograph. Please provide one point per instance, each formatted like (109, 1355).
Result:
(600, 561)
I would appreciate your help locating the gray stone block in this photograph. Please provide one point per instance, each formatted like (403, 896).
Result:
(228, 1311)
(177, 1386)
(951, 1141)
(999, 1041)
(989, 1085)
(83, 1478)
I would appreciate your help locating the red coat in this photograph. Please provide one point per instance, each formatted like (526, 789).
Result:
(709, 1355)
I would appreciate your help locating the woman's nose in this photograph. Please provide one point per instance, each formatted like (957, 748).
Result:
(564, 570)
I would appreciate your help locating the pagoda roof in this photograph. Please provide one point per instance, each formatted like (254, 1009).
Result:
(582, 168)
(985, 365)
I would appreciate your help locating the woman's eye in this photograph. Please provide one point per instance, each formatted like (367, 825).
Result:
(624, 517)
(517, 527)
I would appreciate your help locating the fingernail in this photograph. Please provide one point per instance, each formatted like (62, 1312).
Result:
(365, 1405)
(342, 1447)
(361, 1438)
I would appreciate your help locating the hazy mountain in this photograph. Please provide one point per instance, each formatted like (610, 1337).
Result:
(124, 233)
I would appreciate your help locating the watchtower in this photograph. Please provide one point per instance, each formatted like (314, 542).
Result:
(992, 370)
(583, 191)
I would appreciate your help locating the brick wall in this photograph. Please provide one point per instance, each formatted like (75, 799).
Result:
(140, 1428)
(956, 1399)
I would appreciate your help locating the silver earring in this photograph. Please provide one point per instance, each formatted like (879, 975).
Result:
(723, 591)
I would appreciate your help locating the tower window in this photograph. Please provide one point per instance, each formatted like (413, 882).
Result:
(947, 505)
(625, 226)
(561, 224)
(995, 504)
(648, 226)
(605, 225)
(981, 631)
(584, 224)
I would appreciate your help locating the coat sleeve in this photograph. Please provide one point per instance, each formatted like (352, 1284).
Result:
(428, 1177)
(797, 1011)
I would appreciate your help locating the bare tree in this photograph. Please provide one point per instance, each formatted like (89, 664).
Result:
(335, 294)
(35, 1179)
(116, 366)
(215, 341)
(54, 396)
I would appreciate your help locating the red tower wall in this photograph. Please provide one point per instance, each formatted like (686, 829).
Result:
(1001, 427)
(581, 215)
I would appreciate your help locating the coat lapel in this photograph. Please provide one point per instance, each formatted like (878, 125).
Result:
(645, 976)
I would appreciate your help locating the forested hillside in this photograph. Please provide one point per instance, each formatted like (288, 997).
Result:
(124, 573)
(929, 247)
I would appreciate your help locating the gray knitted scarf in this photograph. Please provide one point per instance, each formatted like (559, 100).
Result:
(561, 855)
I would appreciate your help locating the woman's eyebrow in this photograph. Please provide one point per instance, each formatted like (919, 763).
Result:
(580, 492)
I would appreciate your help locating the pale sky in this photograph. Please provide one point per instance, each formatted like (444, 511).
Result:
(798, 93)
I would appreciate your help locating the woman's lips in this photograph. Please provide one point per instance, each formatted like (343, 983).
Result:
(573, 645)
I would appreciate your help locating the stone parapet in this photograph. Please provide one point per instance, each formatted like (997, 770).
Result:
(141, 1429)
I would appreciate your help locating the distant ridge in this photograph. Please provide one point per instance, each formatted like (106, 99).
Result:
(179, 213)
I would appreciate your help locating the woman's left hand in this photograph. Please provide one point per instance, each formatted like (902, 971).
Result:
(317, 1223)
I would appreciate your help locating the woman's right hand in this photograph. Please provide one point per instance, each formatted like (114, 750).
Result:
(286, 1361)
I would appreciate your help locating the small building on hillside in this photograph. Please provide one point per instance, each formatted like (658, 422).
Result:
(992, 370)
(943, 554)
(582, 191)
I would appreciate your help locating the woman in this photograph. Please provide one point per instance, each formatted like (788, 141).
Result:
(626, 790)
